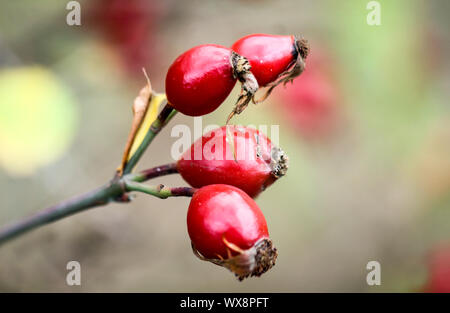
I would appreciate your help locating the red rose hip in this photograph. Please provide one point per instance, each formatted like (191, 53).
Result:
(201, 78)
(227, 228)
(252, 164)
(274, 59)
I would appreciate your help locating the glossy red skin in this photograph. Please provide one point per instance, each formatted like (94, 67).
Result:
(269, 55)
(249, 173)
(200, 80)
(218, 211)
(439, 271)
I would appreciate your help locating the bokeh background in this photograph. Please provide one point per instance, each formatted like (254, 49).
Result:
(367, 129)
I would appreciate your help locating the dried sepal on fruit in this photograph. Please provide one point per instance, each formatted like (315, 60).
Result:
(247, 263)
(274, 59)
(241, 71)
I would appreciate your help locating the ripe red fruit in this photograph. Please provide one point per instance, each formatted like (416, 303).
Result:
(227, 228)
(253, 165)
(274, 59)
(201, 78)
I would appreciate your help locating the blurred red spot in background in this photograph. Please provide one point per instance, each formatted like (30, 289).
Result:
(130, 27)
(311, 103)
(439, 270)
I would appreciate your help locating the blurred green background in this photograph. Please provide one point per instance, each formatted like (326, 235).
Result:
(366, 127)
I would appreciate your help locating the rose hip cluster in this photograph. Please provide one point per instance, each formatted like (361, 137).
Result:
(201, 78)
(225, 224)
(231, 165)
(227, 167)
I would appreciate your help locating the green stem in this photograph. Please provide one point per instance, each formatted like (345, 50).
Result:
(163, 118)
(103, 195)
(97, 197)
(159, 190)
